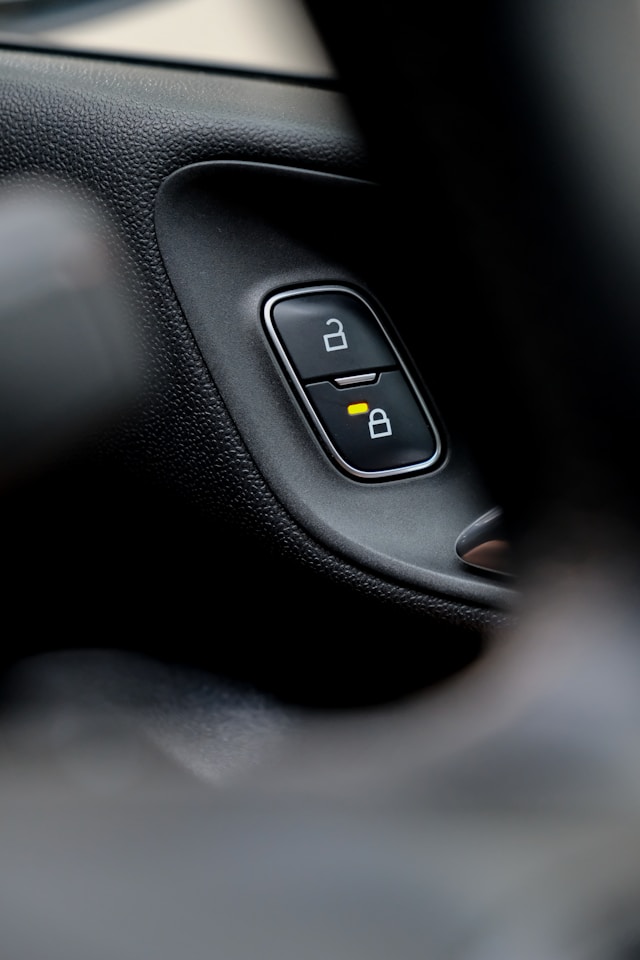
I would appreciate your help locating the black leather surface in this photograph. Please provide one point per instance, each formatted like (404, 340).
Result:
(116, 131)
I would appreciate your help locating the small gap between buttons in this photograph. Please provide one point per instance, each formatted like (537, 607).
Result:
(356, 380)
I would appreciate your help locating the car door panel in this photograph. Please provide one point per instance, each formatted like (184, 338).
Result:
(115, 132)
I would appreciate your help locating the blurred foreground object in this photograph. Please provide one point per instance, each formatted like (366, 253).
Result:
(68, 358)
(496, 819)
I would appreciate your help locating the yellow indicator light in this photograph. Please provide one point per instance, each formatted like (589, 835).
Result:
(355, 408)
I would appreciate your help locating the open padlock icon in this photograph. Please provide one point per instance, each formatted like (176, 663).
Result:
(379, 424)
(336, 340)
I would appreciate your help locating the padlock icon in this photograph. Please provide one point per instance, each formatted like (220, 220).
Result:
(336, 340)
(379, 424)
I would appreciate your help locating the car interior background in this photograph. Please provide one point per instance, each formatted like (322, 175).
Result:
(256, 702)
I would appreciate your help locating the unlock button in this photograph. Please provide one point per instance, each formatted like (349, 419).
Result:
(328, 333)
(375, 428)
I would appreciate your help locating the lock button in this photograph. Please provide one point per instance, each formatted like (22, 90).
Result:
(375, 428)
(328, 333)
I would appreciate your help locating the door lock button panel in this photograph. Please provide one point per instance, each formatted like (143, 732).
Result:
(352, 382)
